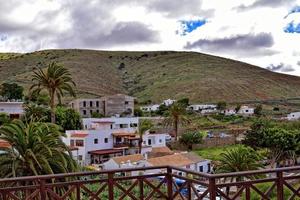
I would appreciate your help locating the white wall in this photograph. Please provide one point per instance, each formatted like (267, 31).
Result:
(293, 116)
(11, 107)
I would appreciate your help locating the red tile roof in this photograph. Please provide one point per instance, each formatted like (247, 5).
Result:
(105, 151)
(4, 144)
(79, 135)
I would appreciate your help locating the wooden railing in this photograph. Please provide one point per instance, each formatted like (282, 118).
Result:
(163, 182)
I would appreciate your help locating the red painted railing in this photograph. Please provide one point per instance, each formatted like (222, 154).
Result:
(163, 182)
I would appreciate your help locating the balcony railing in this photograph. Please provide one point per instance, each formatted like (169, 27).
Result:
(156, 183)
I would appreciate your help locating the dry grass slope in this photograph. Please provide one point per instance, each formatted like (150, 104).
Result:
(156, 75)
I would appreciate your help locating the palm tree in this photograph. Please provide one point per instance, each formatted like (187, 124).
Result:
(55, 80)
(144, 125)
(239, 159)
(176, 115)
(35, 148)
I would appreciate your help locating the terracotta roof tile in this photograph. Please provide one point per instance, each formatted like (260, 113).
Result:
(177, 160)
(131, 158)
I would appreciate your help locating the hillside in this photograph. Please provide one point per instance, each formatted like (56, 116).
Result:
(156, 75)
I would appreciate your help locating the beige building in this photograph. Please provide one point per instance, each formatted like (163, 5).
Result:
(108, 105)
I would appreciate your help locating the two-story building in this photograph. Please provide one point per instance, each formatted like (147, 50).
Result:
(113, 105)
(105, 138)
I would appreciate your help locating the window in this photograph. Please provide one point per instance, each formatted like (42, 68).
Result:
(84, 112)
(133, 125)
(123, 125)
(84, 104)
(96, 141)
(97, 103)
(97, 111)
(188, 166)
(200, 168)
(79, 143)
(144, 142)
(91, 104)
(91, 112)
(160, 140)
(72, 143)
(126, 102)
(149, 141)
(111, 126)
(208, 167)
(105, 140)
(79, 157)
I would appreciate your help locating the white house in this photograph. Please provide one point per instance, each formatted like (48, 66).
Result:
(129, 161)
(293, 116)
(229, 111)
(246, 110)
(200, 107)
(168, 102)
(109, 137)
(12, 109)
(186, 160)
(150, 108)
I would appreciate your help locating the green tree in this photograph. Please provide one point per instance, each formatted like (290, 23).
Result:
(36, 149)
(258, 110)
(221, 105)
(144, 125)
(12, 91)
(191, 138)
(162, 109)
(237, 108)
(138, 112)
(176, 116)
(34, 112)
(239, 159)
(55, 80)
(4, 119)
(68, 118)
(97, 115)
(185, 102)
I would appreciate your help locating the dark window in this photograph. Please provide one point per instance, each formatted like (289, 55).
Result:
(84, 104)
(84, 112)
(72, 143)
(123, 125)
(149, 142)
(79, 143)
(111, 126)
(91, 104)
(133, 125)
(91, 112)
(208, 167)
(97, 103)
(200, 168)
(126, 102)
(79, 157)
(96, 141)
(105, 140)
(97, 111)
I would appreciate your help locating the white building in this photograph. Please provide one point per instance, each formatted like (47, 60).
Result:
(168, 102)
(200, 107)
(150, 108)
(12, 109)
(129, 161)
(109, 137)
(246, 110)
(293, 116)
(229, 111)
(186, 160)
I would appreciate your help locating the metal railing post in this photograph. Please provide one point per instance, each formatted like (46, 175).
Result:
(279, 185)
(212, 188)
(110, 185)
(141, 185)
(169, 183)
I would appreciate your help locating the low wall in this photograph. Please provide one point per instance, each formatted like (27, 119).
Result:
(215, 142)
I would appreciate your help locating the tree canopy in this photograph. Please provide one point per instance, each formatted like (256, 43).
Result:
(12, 91)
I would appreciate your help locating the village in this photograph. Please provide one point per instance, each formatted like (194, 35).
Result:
(110, 133)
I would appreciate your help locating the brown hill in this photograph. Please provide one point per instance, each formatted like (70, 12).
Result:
(156, 75)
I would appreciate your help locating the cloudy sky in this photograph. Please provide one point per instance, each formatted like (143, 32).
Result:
(261, 32)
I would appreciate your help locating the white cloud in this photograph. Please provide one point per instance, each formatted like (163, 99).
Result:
(151, 25)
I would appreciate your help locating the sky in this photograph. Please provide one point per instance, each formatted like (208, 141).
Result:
(265, 33)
